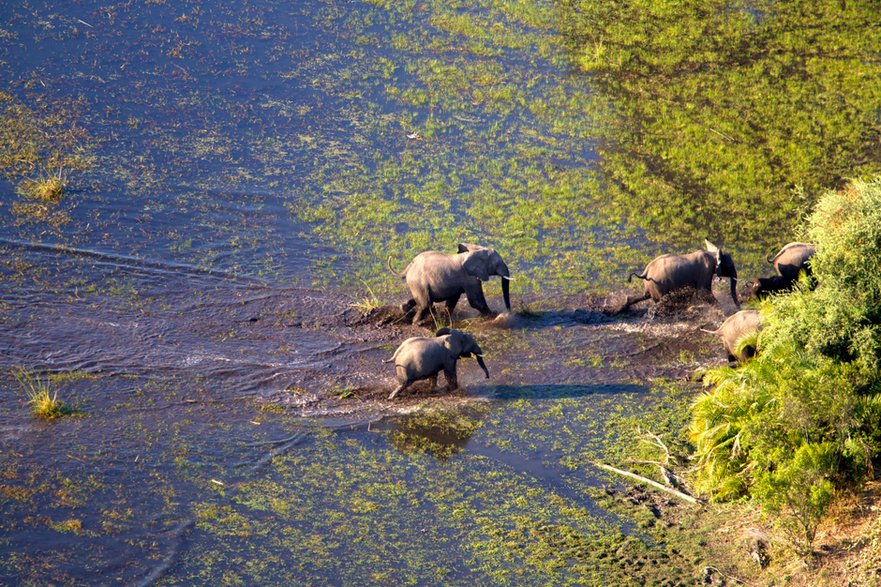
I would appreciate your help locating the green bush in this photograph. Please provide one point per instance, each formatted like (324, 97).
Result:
(805, 415)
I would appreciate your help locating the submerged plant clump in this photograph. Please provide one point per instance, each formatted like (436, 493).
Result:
(40, 147)
(438, 432)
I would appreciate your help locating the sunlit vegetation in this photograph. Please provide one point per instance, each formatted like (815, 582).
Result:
(367, 302)
(40, 395)
(40, 147)
(801, 420)
(690, 120)
(729, 117)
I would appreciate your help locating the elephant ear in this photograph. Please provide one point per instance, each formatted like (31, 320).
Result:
(476, 264)
(469, 247)
(710, 246)
(453, 343)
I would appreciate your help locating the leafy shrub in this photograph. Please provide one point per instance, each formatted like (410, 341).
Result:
(805, 415)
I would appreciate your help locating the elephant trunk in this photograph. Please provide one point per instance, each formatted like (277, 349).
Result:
(506, 293)
(506, 278)
(482, 365)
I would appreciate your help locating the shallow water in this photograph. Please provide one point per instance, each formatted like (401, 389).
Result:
(192, 296)
(233, 431)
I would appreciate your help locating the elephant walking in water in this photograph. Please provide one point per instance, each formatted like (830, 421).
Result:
(736, 327)
(437, 277)
(791, 260)
(671, 272)
(423, 357)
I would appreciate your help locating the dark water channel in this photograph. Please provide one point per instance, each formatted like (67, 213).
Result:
(185, 296)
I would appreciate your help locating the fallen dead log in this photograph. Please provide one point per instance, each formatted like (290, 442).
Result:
(651, 482)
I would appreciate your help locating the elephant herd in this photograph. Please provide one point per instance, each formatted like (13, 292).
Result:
(434, 277)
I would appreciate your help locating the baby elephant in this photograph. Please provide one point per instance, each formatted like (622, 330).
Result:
(765, 286)
(736, 327)
(424, 357)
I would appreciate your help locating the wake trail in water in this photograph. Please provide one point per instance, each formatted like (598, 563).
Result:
(233, 336)
(122, 261)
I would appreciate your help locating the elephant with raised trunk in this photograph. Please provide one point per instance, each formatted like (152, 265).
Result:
(424, 357)
(792, 259)
(437, 277)
(671, 272)
(736, 327)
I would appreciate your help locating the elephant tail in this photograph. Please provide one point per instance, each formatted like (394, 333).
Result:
(710, 331)
(771, 258)
(401, 275)
(632, 275)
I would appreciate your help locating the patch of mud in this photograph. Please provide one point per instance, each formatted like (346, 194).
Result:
(311, 352)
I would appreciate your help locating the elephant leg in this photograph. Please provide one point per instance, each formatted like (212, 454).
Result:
(451, 305)
(421, 313)
(400, 388)
(409, 305)
(450, 374)
(634, 300)
(477, 300)
(433, 381)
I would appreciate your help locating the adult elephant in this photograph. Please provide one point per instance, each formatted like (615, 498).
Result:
(792, 259)
(671, 272)
(437, 277)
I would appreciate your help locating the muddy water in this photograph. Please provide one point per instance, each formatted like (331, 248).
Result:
(231, 426)
(233, 431)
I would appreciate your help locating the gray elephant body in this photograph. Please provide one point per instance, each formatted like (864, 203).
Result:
(792, 259)
(765, 286)
(424, 357)
(437, 277)
(671, 272)
(734, 328)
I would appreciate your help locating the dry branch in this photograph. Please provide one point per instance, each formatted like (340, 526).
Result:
(651, 482)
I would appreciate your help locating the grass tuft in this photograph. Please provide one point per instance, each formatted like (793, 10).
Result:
(47, 189)
(43, 401)
(368, 303)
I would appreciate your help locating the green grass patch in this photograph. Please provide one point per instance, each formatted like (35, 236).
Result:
(41, 396)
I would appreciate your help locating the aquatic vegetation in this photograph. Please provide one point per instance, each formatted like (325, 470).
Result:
(40, 147)
(663, 152)
(48, 189)
(41, 397)
(437, 431)
(723, 115)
